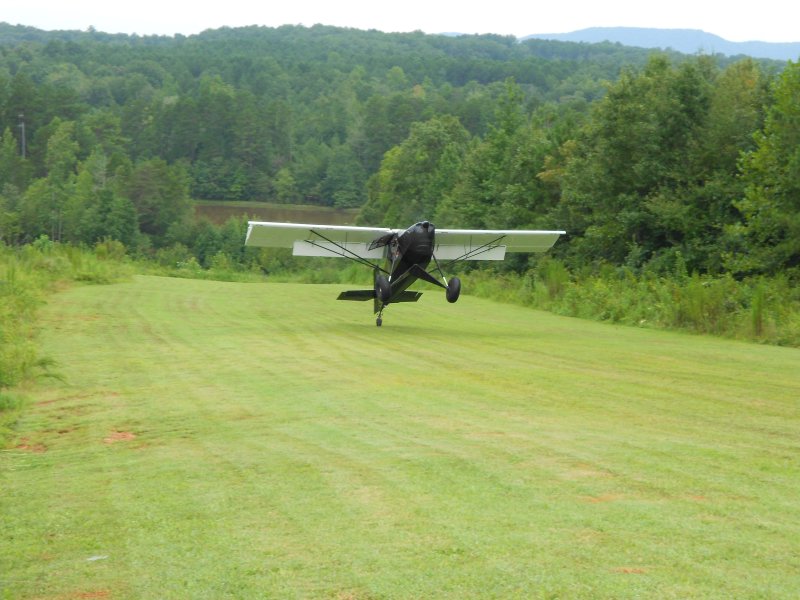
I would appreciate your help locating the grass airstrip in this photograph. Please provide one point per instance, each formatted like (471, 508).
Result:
(230, 440)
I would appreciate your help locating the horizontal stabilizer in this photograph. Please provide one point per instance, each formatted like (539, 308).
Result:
(362, 295)
(406, 296)
(357, 295)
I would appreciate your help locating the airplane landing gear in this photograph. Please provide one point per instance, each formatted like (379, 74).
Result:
(379, 320)
(453, 289)
(383, 290)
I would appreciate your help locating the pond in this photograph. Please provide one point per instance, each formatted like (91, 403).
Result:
(219, 212)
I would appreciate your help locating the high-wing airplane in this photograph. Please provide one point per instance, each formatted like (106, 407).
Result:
(407, 253)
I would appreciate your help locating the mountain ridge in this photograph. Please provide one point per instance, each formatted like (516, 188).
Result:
(687, 41)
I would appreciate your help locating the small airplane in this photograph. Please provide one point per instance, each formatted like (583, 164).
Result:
(407, 253)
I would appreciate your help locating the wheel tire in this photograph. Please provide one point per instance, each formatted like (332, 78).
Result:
(378, 321)
(453, 289)
(382, 288)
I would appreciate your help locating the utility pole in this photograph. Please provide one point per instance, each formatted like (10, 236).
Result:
(22, 133)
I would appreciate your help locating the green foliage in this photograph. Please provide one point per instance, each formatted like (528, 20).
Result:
(654, 168)
(498, 186)
(645, 174)
(415, 175)
(160, 193)
(759, 309)
(768, 240)
(477, 131)
(237, 104)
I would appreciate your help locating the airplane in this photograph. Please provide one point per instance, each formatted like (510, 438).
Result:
(407, 253)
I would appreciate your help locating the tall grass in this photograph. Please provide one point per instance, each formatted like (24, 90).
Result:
(765, 310)
(27, 276)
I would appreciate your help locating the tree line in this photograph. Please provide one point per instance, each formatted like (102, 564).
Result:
(649, 161)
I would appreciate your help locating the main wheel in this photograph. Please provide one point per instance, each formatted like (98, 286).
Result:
(382, 288)
(453, 289)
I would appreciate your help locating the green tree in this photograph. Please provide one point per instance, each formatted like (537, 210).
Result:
(39, 211)
(80, 224)
(624, 185)
(769, 239)
(343, 185)
(10, 231)
(14, 170)
(62, 153)
(206, 242)
(118, 217)
(160, 194)
(94, 210)
(499, 186)
(713, 183)
(42, 206)
(285, 187)
(417, 174)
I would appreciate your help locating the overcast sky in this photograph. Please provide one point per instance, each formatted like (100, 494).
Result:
(735, 20)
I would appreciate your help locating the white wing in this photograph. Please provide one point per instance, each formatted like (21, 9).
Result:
(317, 240)
(351, 242)
(490, 244)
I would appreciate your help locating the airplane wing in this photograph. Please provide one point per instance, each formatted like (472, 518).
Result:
(354, 242)
(317, 240)
(490, 244)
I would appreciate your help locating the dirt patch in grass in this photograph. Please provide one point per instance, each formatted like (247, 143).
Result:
(631, 570)
(602, 498)
(119, 436)
(27, 446)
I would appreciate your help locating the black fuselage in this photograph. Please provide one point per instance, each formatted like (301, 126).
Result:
(413, 247)
(408, 255)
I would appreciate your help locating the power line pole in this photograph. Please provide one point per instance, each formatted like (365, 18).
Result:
(22, 130)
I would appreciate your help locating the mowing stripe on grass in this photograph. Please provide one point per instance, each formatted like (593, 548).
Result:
(217, 440)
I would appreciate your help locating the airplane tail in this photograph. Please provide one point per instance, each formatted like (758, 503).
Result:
(357, 295)
(363, 295)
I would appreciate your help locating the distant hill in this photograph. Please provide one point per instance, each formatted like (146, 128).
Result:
(688, 41)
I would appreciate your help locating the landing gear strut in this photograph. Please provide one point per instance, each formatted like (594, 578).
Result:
(383, 291)
(379, 320)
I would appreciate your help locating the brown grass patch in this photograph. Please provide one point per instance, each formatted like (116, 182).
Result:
(631, 570)
(25, 445)
(602, 498)
(119, 436)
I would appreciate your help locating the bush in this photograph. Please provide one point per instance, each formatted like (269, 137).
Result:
(763, 310)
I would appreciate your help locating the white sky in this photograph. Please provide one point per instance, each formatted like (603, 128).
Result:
(735, 20)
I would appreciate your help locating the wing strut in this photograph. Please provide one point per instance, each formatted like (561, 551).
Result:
(439, 268)
(345, 252)
(471, 253)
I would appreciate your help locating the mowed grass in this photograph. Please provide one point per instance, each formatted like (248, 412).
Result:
(227, 440)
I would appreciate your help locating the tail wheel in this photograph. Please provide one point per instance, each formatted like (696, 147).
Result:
(382, 288)
(453, 289)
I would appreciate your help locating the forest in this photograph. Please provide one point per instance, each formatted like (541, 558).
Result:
(660, 166)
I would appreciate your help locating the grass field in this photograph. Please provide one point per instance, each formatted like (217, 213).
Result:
(228, 440)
